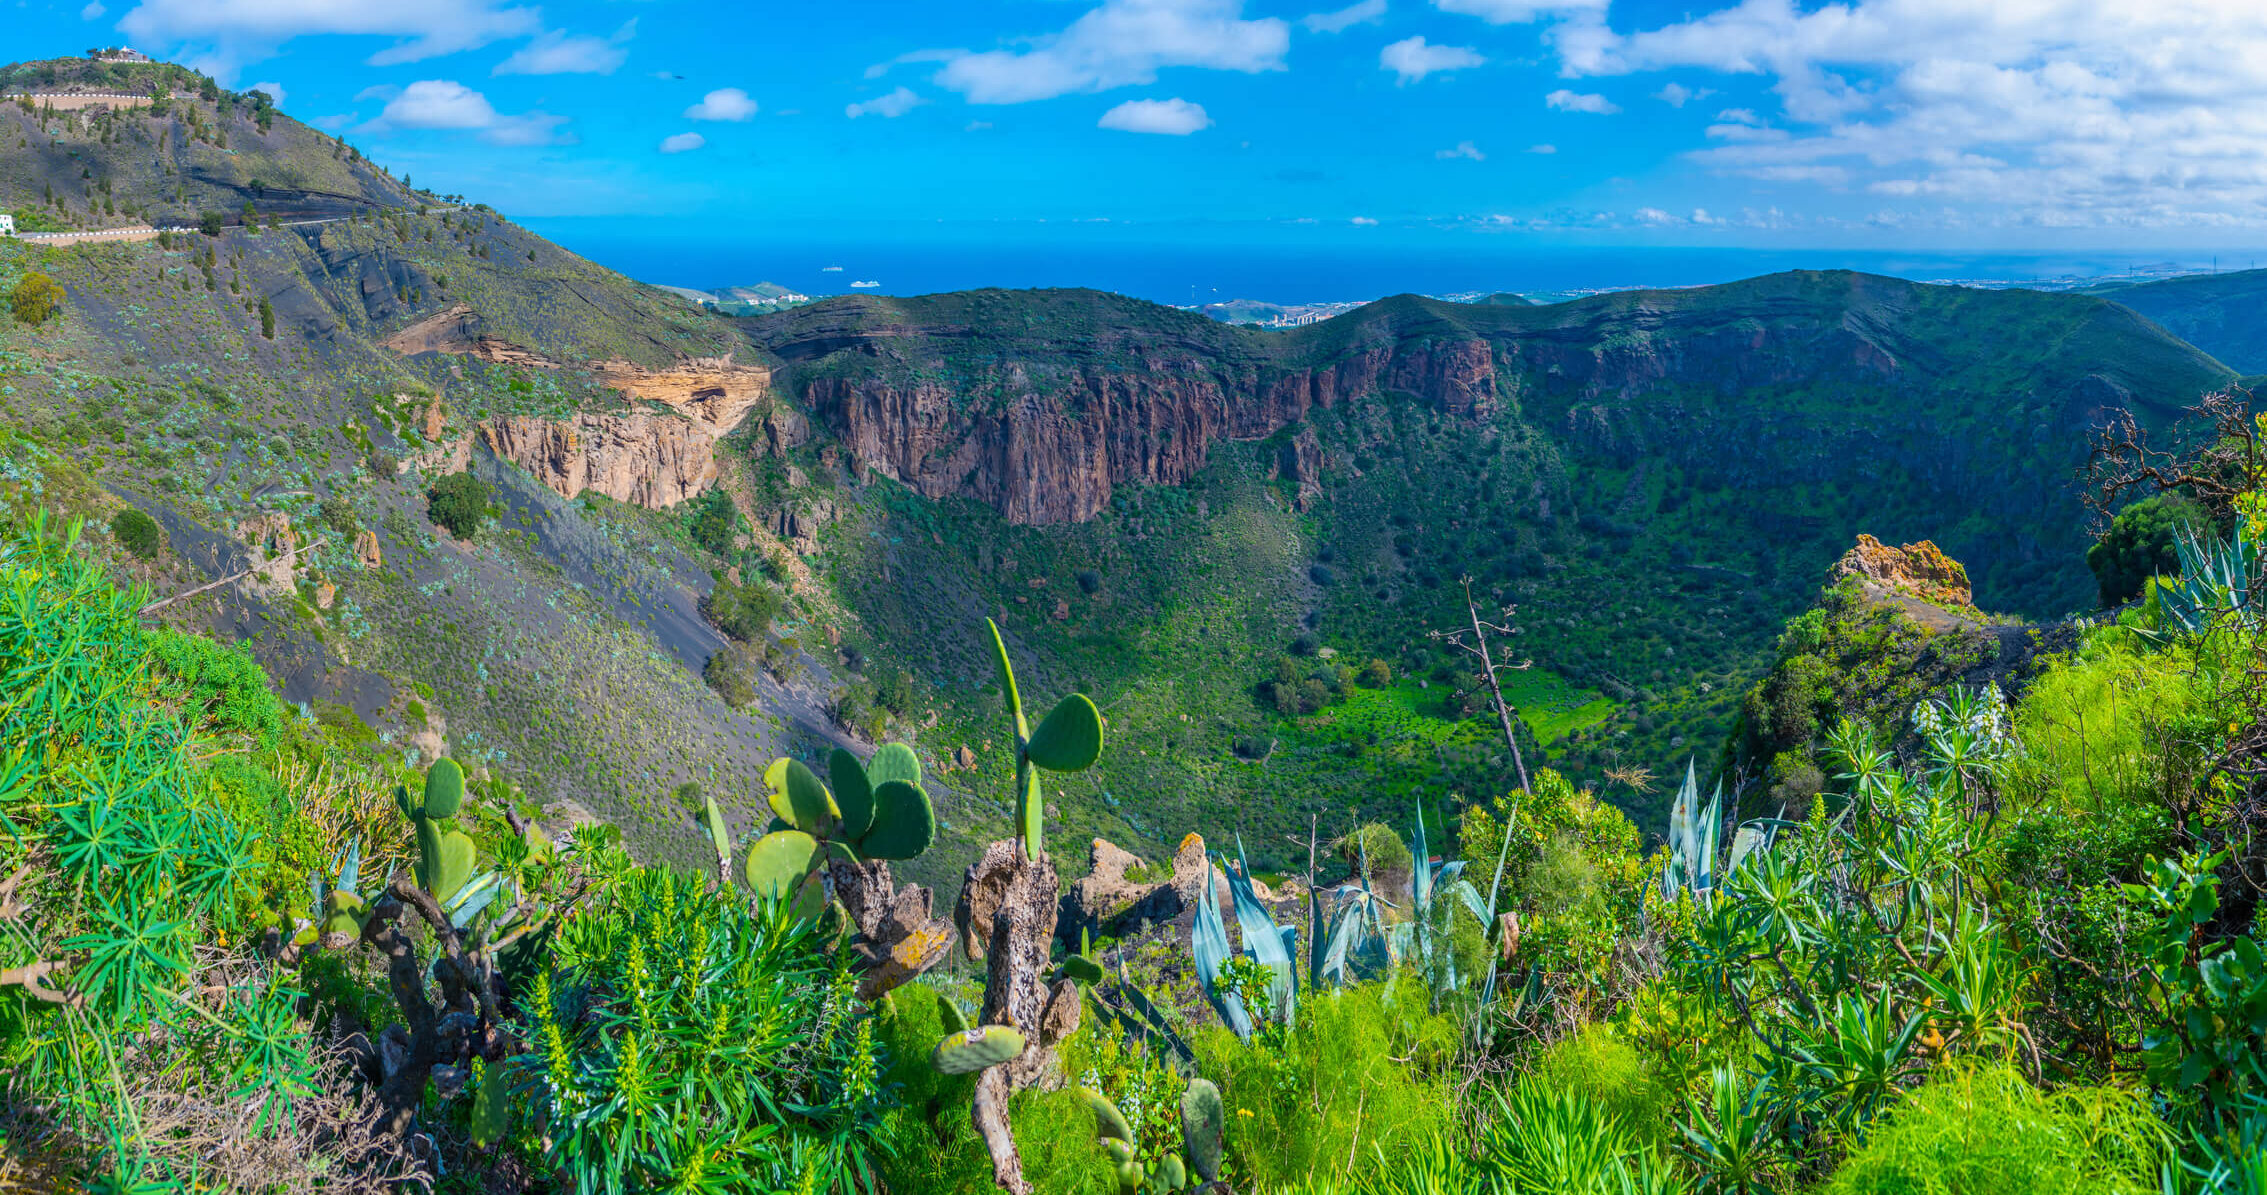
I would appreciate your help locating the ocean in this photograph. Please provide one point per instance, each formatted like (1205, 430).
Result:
(1205, 265)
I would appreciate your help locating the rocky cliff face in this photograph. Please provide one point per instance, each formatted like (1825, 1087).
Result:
(644, 460)
(1054, 448)
(640, 458)
(1042, 403)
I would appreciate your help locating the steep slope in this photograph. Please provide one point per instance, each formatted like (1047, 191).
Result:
(2223, 314)
(79, 158)
(281, 396)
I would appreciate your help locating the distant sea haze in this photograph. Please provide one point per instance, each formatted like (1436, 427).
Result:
(1205, 269)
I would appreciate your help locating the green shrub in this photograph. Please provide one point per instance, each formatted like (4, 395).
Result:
(134, 870)
(733, 672)
(1358, 1071)
(457, 503)
(1384, 849)
(221, 682)
(741, 611)
(757, 1061)
(35, 299)
(137, 533)
(1984, 1130)
(714, 522)
(1600, 1067)
(2139, 545)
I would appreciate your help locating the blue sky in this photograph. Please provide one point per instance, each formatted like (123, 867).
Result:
(2048, 124)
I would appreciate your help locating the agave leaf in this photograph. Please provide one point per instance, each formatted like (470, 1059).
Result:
(1745, 841)
(1346, 939)
(350, 871)
(1208, 946)
(1262, 940)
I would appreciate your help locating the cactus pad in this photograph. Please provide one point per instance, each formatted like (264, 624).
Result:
(853, 793)
(1007, 682)
(894, 761)
(977, 1049)
(779, 861)
(1109, 1123)
(950, 1016)
(452, 865)
(1031, 816)
(1082, 969)
(444, 788)
(904, 823)
(798, 797)
(717, 834)
(1203, 1121)
(1069, 739)
(1130, 1175)
(1171, 1175)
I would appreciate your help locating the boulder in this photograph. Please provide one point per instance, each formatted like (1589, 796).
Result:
(1109, 904)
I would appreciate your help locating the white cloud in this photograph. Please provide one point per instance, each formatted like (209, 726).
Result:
(2055, 113)
(555, 53)
(93, 10)
(231, 32)
(1410, 59)
(1677, 95)
(1543, 149)
(725, 103)
(1363, 12)
(1175, 117)
(1653, 217)
(448, 105)
(896, 103)
(1700, 216)
(1568, 101)
(1521, 12)
(1122, 43)
(1464, 149)
(1364, 221)
(677, 143)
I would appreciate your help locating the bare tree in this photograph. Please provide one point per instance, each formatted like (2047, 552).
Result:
(1473, 641)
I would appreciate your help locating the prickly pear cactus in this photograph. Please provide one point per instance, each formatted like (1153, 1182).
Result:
(977, 1049)
(1204, 1124)
(1069, 739)
(445, 857)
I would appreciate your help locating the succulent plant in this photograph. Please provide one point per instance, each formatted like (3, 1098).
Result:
(445, 857)
(976, 1049)
(1069, 739)
(1203, 1123)
(1204, 1126)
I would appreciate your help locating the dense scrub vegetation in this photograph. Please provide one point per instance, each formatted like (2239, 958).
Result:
(2001, 948)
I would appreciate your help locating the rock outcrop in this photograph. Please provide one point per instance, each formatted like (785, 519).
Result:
(1108, 904)
(644, 460)
(271, 542)
(1920, 570)
(715, 392)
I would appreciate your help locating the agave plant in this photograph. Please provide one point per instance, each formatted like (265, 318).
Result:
(1693, 834)
(1264, 943)
(2218, 579)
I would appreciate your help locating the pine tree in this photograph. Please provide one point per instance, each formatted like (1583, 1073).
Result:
(267, 318)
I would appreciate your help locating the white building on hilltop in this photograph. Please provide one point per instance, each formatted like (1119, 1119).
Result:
(121, 54)
(7, 225)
